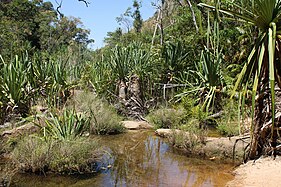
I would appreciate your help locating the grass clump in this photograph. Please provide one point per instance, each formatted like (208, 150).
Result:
(39, 155)
(189, 138)
(228, 124)
(168, 118)
(104, 119)
(228, 128)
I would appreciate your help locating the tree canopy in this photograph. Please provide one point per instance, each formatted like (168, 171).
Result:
(35, 25)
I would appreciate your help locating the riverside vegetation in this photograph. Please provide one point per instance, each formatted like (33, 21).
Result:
(187, 68)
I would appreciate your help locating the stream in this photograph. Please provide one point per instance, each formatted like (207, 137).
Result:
(139, 159)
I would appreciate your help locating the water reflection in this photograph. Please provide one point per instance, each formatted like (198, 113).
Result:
(141, 159)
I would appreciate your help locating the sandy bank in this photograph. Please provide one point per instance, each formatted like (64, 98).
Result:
(264, 172)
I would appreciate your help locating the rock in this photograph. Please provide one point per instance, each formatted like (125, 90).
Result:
(6, 125)
(136, 125)
(24, 129)
(165, 132)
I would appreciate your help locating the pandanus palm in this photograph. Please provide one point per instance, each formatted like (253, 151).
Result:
(263, 65)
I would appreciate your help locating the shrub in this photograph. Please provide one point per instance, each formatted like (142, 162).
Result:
(166, 117)
(15, 92)
(74, 156)
(228, 124)
(228, 128)
(189, 139)
(39, 155)
(32, 154)
(104, 119)
(67, 125)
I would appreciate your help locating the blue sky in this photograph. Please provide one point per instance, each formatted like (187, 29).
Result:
(100, 16)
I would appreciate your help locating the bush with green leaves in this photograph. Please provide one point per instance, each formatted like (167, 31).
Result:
(24, 80)
(66, 125)
(104, 118)
(166, 117)
(190, 138)
(228, 124)
(39, 155)
(15, 90)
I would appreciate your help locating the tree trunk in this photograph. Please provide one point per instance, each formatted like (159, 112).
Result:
(122, 90)
(258, 123)
(135, 102)
(193, 15)
(265, 136)
(262, 110)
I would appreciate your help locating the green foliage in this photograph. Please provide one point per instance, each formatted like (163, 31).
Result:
(190, 139)
(66, 126)
(14, 85)
(104, 119)
(114, 38)
(34, 25)
(75, 156)
(229, 122)
(262, 68)
(207, 80)
(198, 116)
(38, 155)
(24, 80)
(166, 117)
(174, 55)
(228, 128)
(137, 17)
(128, 60)
(111, 66)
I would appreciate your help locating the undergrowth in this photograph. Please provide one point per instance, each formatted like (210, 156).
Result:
(104, 119)
(40, 155)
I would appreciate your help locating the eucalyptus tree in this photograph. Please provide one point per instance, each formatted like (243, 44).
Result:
(262, 70)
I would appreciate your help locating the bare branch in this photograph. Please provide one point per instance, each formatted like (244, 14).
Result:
(59, 7)
(86, 2)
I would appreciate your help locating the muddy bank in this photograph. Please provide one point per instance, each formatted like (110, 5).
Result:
(259, 173)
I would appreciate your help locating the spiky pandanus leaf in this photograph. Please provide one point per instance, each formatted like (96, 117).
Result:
(263, 60)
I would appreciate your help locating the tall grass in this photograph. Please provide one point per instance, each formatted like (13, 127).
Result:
(104, 118)
(39, 155)
(166, 118)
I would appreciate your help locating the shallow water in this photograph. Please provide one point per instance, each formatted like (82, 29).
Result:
(140, 159)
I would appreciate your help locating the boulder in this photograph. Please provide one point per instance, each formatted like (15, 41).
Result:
(136, 125)
(164, 133)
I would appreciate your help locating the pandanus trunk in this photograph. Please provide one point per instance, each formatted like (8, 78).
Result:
(255, 147)
(130, 96)
(264, 135)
